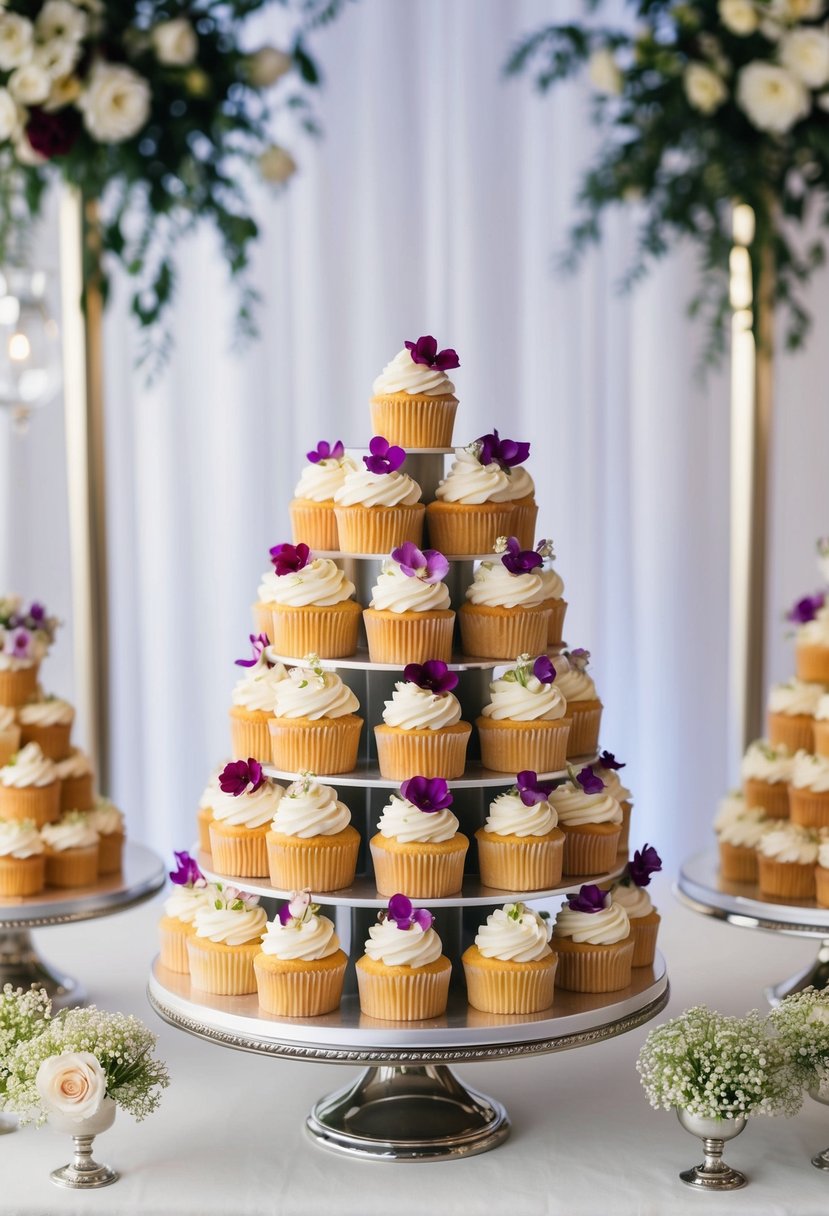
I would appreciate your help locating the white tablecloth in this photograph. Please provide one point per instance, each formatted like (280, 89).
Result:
(229, 1135)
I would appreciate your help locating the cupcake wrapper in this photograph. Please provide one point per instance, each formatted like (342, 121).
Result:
(300, 994)
(421, 875)
(808, 809)
(555, 624)
(173, 953)
(324, 748)
(204, 819)
(314, 524)
(411, 637)
(41, 804)
(414, 421)
(600, 969)
(222, 972)
(507, 749)
(18, 687)
(821, 737)
(378, 529)
(644, 933)
(785, 879)
(793, 731)
(473, 529)
(262, 614)
(22, 876)
(72, 868)
(812, 663)
(531, 865)
(9, 743)
(429, 753)
(737, 863)
(589, 852)
(77, 793)
(624, 837)
(584, 733)
(523, 523)
(822, 886)
(239, 856)
(512, 991)
(504, 633)
(110, 853)
(249, 737)
(330, 633)
(53, 741)
(403, 998)
(774, 799)
(320, 867)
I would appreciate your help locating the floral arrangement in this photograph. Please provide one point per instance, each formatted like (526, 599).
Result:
(526, 668)
(22, 1016)
(705, 104)
(515, 559)
(26, 633)
(801, 1022)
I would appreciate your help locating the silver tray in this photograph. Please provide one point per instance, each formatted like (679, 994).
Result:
(475, 775)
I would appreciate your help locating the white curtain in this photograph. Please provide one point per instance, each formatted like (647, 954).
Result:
(434, 204)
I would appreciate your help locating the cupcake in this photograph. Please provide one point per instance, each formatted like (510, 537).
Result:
(226, 938)
(739, 828)
(594, 943)
(410, 618)
(811, 615)
(48, 723)
(521, 846)
(523, 726)
(242, 808)
(403, 975)
(315, 728)
(591, 820)
(583, 704)
(414, 401)
(418, 844)
(809, 791)
(786, 859)
(791, 714)
(510, 455)
(177, 924)
(820, 726)
(504, 614)
(77, 782)
(553, 590)
(312, 608)
(379, 507)
(510, 968)
(108, 822)
(300, 967)
(312, 507)
(766, 772)
(311, 842)
(629, 893)
(254, 700)
(607, 767)
(22, 859)
(204, 814)
(471, 507)
(29, 787)
(25, 637)
(71, 851)
(9, 734)
(422, 731)
(822, 874)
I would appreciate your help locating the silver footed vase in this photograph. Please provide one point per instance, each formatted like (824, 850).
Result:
(83, 1173)
(713, 1174)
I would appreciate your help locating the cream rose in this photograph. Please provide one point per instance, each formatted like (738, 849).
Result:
(175, 43)
(805, 52)
(16, 36)
(772, 98)
(276, 165)
(603, 72)
(8, 115)
(30, 85)
(115, 103)
(704, 89)
(265, 66)
(739, 16)
(60, 20)
(72, 1084)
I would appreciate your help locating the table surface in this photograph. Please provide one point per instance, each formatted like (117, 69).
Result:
(230, 1131)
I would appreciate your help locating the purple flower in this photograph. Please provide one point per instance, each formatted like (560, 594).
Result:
(37, 613)
(589, 781)
(530, 789)
(506, 452)
(259, 643)
(326, 451)
(297, 907)
(242, 777)
(425, 350)
(518, 560)
(806, 610)
(385, 457)
(188, 873)
(238, 900)
(645, 861)
(406, 916)
(578, 659)
(590, 898)
(284, 914)
(433, 674)
(428, 565)
(428, 794)
(18, 644)
(543, 669)
(290, 559)
(608, 760)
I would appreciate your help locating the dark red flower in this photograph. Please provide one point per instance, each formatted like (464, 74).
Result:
(53, 134)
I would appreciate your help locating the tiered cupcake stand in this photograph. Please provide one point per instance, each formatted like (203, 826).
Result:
(408, 1105)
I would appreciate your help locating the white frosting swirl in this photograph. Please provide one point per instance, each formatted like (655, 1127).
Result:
(320, 584)
(7, 717)
(509, 817)
(105, 818)
(51, 712)
(310, 809)
(795, 697)
(247, 810)
(521, 485)
(76, 764)
(403, 821)
(602, 928)
(613, 783)
(29, 767)
(494, 587)
(403, 375)
(414, 708)
(267, 587)
(307, 695)
(228, 926)
(310, 939)
(574, 806)
(320, 482)
(19, 838)
(366, 489)
(744, 830)
(211, 789)
(789, 843)
(256, 688)
(71, 832)
(810, 772)
(522, 940)
(635, 900)
(762, 762)
(816, 632)
(730, 808)
(395, 591)
(469, 482)
(402, 947)
(552, 584)
(184, 902)
(511, 701)
(575, 685)
(822, 709)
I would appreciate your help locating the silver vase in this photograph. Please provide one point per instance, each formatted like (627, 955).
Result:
(713, 1174)
(820, 1093)
(83, 1173)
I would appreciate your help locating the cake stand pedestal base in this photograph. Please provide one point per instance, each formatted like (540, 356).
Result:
(408, 1113)
(814, 976)
(21, 966)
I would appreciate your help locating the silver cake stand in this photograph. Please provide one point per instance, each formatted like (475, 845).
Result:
(20, 964)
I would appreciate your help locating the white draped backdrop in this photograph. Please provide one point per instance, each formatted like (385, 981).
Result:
(434, 204)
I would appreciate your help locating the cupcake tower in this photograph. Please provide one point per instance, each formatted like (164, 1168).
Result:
(54, 830)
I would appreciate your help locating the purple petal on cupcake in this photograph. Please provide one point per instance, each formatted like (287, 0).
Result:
(518, 560)
(530, 790)
(241, 777)
(645, 861)
(506, 452)
(425, 351)
(608, 760)
(429, 565)
(326, 451)
(428, 794)
(422, 917)
(589, 898)
(433, 675)
(18, 644)
(543, 669)
(806, 610)
(290, 559)
(259, 644)
(37, 613)
(284, 915)
(385, 457)
(187, 872)
(578, 658)
(299, 903)
(589, 781)
(404, 914)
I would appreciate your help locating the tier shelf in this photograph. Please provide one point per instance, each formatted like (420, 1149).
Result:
(359, 661)
(367, 773)
(337, 554)
(701, 888)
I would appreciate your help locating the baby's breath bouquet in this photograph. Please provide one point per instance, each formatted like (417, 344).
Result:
(23, 1015)
(802, 1025)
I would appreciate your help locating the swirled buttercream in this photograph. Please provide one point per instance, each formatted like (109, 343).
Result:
(533, 701)
(307, 940)
(603, 928)
(790, 843)
(635, 900)
(363, 488)
(256, 690)
(815, 632)
(575, 685)
(184, 902)
(810, 772)
(613, 783)
(523, 937)
(50, 712)
(309, 809)
(71, 832)
(762, 762)
(229, 926)
(822, 710)
(743, 831)
(247, 810)
(795, 697)
(574, 806)
(730, 808)
(320, 482)
(19, 838)
(508, 816)
(469, 482)
(395, 591)
(552, 584)
(320, 584)
(28, 767)
(403, 821)
(495, 587)
(311, 694)
(403, 375)
(402, 947)
(521, 485)
(7, 717)
(415, 708)
(105, 818)
(76, 764)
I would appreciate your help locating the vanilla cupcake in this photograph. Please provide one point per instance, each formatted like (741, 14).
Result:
(511, 968)
(77, 782)
(243, 808)
(204, 812)
(311, 842)
(521, 846)
(822, 874)
(607, 767)
(403, 975)
(9, 734)
(786, 859)
(378, 507)
(226, 938)
(190, 893)
(629, 893)
(414, 401)
(812, 639)
(422, 731)
(22, 859)
(315, 728)
(108, 822)
(471, 508)
(312, 507)
(791, 713)
(739, 828)
(504, 613)
(583, 705)
(71, 851)
(594, 943)
(521, 490)
(48, 723)
(254, 700)
(410, 618)
(525, 724)
(591, 820)
(553, 589)
(29, 787)
(766, 772)
(25, 637)
(418, 845)
(312, 607)
(809, 791)
(300, 967)
(820, 726)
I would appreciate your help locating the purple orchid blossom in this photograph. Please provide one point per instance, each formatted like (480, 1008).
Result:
(428, 565)
(385, 457)
(608, 761)
(518, 560)
(589, 781)
(187, 873)
(18, 644)
(406, 916)
(259, 644)
(326, 451)
(290, 559)
(242, 777)
(530, 790)
(425, 351)
(543, 669)
(578, 658)
(433, 675)
(645, 861)
(37, 613)
(506, 452)
(806, 610)
(589, 898)
(428, 794)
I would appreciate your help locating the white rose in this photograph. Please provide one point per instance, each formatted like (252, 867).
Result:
(30, 85)
(8, 115)
(63, 93)
(805, 52)
(265, 66)
(25, 153)
(772, 98)
(57, 57)
(276, 165)
(16, 36)
(115, 103)
(704, 89)
(62, 20)
(603, 72)
(73, 1084)
(739, 16)
(175, 43)
(797, 10)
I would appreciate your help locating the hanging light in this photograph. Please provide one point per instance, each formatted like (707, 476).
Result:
(30, 365)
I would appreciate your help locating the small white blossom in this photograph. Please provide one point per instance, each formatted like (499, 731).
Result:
(276, 165)
(772, 98)
(604, 73)
(739, 16)
(175, 42)
(62, 20)
(16, 39)
(267, 65)
(704, 89)
(805, 52)
(30, 85)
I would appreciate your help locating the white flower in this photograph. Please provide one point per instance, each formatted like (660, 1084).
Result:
(63, 93)
(739, 16)
(115, 103)
(805, 52)
(16, 36)
(72, 1084)
(276, 165)
(797, 10)
(603, 72)
(772, 98)
(265, 66)
(175, 43)
(60, 19)
(30, 85)
(8, 115)
(57, 57)
(704, 89)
